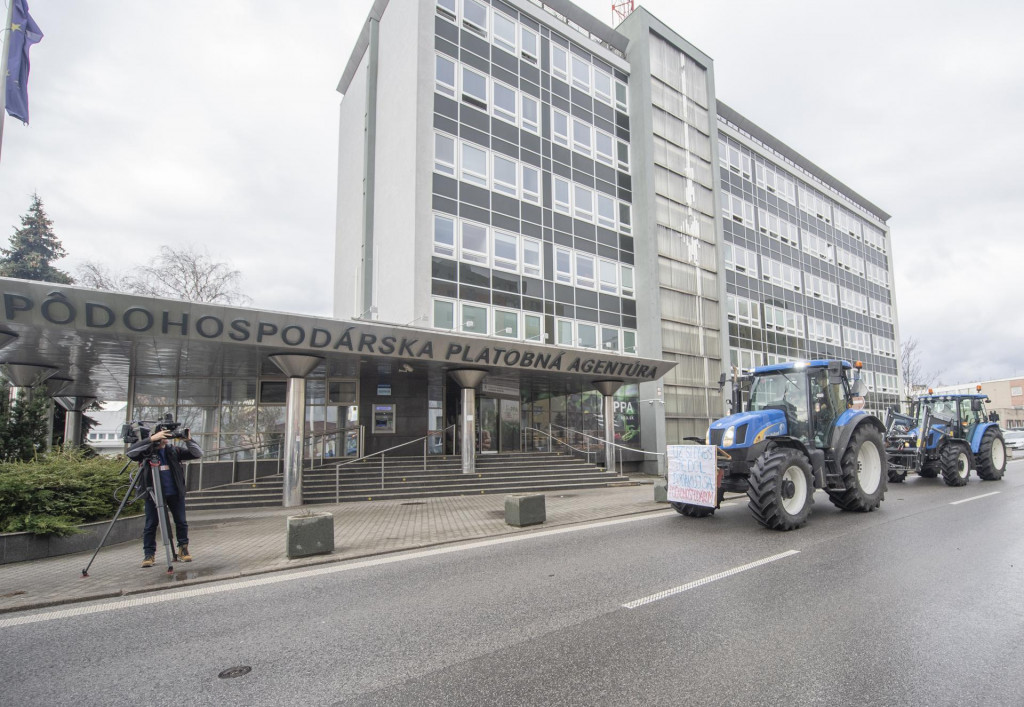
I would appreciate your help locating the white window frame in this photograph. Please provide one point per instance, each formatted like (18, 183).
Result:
(589, 261)
(502, 112)
(462, 317)
(622, 147)
(560, 205)
(621, 101)
(582, 137)
(503, 186)
(495, 311)
(629, 342)
(583, 202)
(471, 255)
(604, 341)
(441, 165)
(560, 138)
(628, 290)
(446, 250)
(625, 217)
(602, 155)
(532, 267)
(530, 126)
(508, 239)
(528, 56)
(542, 335)
(471, 25)
(580, 327)
(433, 312)
(503, 42)
(469, 175)
(608, 203)
(604, 96)
(608, 269)
(448, 9)
(443, 87)
(470, 98)
(564, 276)
(559, 69)
(532, 196)
(580, 68)
(565, 327)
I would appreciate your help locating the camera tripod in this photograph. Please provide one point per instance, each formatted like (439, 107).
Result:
(156, 493)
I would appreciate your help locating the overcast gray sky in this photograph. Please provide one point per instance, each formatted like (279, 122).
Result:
(215, 124)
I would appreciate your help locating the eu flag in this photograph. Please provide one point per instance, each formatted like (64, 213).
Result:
(24, 33)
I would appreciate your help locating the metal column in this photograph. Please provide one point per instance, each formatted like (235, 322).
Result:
(607, 389)
(74, 405)
(296, 367)
(469, 379)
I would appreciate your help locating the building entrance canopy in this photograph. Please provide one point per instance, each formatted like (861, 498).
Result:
(101, 340)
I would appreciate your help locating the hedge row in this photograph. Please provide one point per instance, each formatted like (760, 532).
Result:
(60, 490)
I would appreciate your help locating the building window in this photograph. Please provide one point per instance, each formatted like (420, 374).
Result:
(532, 265)
(531, 184)
(506, 251)
(531, 114)
(743, 311)
(529, 41)
(605, 211)
(609, 339)
(444, 236)
(560, 187)
(506, 323)
(741, 260)
(474, 17)
(559, 62)
(603, 146)
(623, 156)
(444, 76)
(444, 314)
(504, 32)
(474, 243)
(474, 165)
(504, 103)
(581, 73)
(563, 332)
(602, 86)
(629, 342)
(559, 128)
(609, 274)
(586, 335)
(621, 96)
(625, 217)
(738, 210)
(444, 154)
(627, 280)
(582, 137)
(447, 9)
(584, 203)
(506, 172)
(585, 275)
(474, 88)
(474, 319)
(563, 265)
(532, 329)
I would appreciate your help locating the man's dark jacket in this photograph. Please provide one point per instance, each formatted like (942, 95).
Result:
(143, 449)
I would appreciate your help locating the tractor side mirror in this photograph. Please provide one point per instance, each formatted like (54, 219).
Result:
(859, 388)
(975, 405)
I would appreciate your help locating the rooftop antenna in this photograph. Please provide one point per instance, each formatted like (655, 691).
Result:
(621, 10)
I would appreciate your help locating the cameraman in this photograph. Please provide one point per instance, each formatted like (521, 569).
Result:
(155, 455)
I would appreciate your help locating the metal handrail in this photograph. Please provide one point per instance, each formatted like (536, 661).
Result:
(424, 438)
(615, 445)
(561, 442)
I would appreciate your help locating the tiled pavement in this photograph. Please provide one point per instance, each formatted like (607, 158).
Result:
(229, 544)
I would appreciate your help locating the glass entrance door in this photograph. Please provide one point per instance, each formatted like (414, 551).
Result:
(487, 425)
(510, 426)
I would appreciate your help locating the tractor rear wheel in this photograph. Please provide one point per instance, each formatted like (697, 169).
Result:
(861, 465)
(955, 462)
(781, 489)
(991, 456)
(693, 511)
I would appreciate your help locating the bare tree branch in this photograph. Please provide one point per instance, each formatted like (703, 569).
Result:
(915, 376)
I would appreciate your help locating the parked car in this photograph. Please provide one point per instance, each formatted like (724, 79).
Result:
(1014, 440)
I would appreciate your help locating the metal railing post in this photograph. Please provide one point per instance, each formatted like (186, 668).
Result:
(381, 472)
(337, 474)
(425, 454)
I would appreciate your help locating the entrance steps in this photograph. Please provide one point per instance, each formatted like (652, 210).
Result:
(406, 478)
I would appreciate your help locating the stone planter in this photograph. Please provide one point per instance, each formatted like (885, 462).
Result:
(661, 492)
(310, 534)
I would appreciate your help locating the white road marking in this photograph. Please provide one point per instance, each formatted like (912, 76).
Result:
(974, 498)
(275, 578)
(707, 580)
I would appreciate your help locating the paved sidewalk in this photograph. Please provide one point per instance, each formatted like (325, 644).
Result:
(230, 544)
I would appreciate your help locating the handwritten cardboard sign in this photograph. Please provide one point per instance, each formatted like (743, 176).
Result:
(692, 476)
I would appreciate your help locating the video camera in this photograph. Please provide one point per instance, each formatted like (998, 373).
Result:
(137, 429)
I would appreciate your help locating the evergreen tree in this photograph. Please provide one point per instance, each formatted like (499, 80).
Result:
(23, 424)
(33, 249)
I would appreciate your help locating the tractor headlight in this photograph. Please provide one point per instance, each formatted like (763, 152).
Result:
(729, 437)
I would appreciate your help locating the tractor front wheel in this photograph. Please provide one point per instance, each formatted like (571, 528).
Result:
(780, 489)
(897, 475)
(928, 471)
(955, 462)
(862, 467)
(991, 456)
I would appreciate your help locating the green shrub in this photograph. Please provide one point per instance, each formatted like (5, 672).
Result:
(62, 489)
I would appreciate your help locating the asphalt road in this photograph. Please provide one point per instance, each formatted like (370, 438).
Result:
(917, 604)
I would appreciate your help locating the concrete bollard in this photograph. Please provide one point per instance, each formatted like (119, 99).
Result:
(661, 492)
(311, 534)
(524, 509)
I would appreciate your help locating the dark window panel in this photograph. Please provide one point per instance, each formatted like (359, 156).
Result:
(586, 314)
(446, 186)
(473, 213)
(448, 206)
(505, 282)
(474, 294)
(446, 107)
(504, 299)
(608, 303)
(475, 196)
(585, 245)
(446, 30)
(563, 294)
(444, 289)
(444, 269)
(610, 318)
(532, 305)
(474, 275)
(586, 298)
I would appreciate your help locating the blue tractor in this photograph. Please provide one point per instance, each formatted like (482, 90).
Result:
(803, 429)
(947, 434)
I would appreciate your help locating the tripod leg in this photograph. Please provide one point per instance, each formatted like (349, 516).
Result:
(124, 501)
(161, 509)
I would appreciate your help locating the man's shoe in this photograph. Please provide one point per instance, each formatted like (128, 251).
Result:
(148, 561)
(183, 553)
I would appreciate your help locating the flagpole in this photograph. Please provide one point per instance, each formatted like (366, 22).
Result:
(3, 70)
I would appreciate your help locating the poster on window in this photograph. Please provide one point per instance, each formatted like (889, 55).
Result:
(627, 416)
(692, 474)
